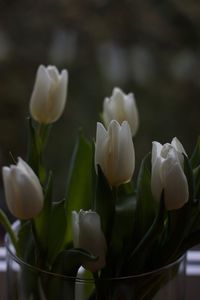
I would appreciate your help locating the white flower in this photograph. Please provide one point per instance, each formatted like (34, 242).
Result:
(49, 94)
(23, 191)
(168, 174)
(121, 107)
(87, 234)
(114, 152)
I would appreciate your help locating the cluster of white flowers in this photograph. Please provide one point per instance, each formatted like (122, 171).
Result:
(114, 153)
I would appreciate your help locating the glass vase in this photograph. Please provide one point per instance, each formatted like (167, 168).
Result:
(26, 282)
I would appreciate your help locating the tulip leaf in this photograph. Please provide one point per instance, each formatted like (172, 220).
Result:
(178, 224)
(122, 233)
(146, 205)
(80, 181)
(195, 158)
(33, 158)
(42, 220)
(104, 204)
(125, 214)
(196, 173)
(37, 141)
(4, 221)
(190, 178)
(57, 229)
(26, 243)
(139, 257)
(124, 204)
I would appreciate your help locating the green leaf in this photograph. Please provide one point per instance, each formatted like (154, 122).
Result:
(105, 204)
(4, 221)
(146, 205)
(125, 206)
(125, 214)
(140, 255)
(43, 219)
(37, 141)
(26, 243)
(196, 173)
(122, 233)
(80, 181)
(195, 158)
(57, 230)
(190, 178)
(33, 158)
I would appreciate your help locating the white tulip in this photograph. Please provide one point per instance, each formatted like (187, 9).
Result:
(121, 107)
(49, 94)
(168, 174)
(114, 152)
(23, 191)
(87, 234)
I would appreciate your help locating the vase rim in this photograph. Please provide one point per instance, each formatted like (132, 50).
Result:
(18, 260)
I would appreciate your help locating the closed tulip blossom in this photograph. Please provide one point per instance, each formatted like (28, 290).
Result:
(23, 192)
(121, 107)
(114, 152)
(168, 174)
(49, 94)
(87, 235)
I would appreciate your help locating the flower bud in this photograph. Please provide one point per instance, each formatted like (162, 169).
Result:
(23, 191)
(114, 152)
(87, 234)
(49, 94)
(121, 107)
(168, 174)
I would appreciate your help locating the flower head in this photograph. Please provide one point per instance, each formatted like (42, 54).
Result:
(49, 94)
(168, 174)
(121, 107)
(114, 152)
(23, 191)
(87, 234)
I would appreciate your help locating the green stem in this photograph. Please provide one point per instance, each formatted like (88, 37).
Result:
(8, 228)
(37, 244)
(99, 288)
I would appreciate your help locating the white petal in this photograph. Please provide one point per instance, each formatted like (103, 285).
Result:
(24, 195)
(40, 95)
(112, 157)
(53, 73)
(156, 151)
(131, 112)
(178, 146)
(175, 184)
(28, 197)
(57, 98)
(101, 137)
(156, 182)
(8, 188)
(126, 159)
(92, 239)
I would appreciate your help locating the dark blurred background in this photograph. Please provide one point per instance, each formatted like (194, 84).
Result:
(151, 48)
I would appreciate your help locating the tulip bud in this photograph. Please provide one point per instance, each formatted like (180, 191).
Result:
(49, 94)
(87, 234)
(23, 191)
(114, 152)
(168, 174)
(121, 107)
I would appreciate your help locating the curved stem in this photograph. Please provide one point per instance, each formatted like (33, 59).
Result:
(8, 227)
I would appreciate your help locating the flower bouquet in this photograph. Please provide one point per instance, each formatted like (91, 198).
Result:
(108, 228)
